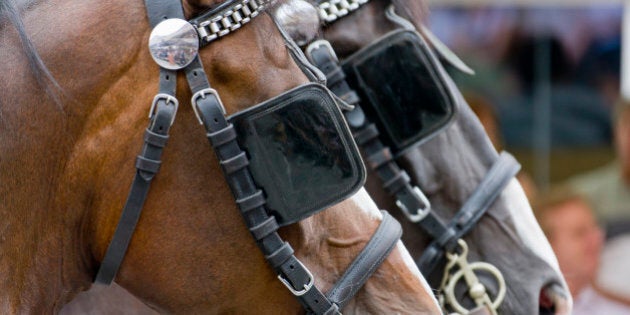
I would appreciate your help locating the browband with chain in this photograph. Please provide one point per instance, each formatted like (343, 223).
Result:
(226, 18)
(332, 10)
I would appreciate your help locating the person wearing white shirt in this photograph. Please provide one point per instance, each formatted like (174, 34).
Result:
(577, 240)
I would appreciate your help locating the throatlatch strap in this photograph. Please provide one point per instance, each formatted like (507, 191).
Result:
(370, 258)
(147, 166)
(494, 182)
(163, 109)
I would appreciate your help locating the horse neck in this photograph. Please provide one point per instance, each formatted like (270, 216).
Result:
(86, 46)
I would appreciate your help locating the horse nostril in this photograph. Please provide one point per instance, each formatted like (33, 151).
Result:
(553, 300)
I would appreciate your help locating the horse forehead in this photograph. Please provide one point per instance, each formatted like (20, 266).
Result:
(365, 203)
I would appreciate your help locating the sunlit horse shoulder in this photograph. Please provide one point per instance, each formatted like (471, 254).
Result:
(448, 169)
(68, 143)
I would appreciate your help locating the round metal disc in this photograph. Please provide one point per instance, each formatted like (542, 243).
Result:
(173, 44)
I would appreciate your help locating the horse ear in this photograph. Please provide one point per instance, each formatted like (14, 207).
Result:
(193, 8)
(414, 11)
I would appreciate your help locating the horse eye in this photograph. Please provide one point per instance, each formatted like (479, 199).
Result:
(299, 19)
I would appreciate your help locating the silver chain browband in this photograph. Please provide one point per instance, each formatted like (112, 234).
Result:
(214, 25)
(331, 10)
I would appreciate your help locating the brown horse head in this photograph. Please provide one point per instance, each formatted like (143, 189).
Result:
(77, 84)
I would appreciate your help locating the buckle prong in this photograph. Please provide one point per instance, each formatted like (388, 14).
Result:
(202, 94)
(168, 99)
(421, 212)
(318, 44)
(307, 286)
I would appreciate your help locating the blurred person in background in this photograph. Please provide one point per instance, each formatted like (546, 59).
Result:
(608, 187)
(577, 240)
(608, 190)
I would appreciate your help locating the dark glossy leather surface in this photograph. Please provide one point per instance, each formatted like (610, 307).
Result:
(402, 89)
(301, 152)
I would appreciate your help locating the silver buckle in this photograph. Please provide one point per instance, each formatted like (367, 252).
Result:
(166, 97)
(307, 286)
(319, 43)
(202, 94)
(421, 212)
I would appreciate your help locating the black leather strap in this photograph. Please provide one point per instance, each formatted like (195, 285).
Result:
(394, 179)
(265, 228)
(502, 171)
(148, 161)
(222, 137)
(379, 158)
(251, 202)
(262, 226)
(370, 258)
(147, 167)
(235, 163)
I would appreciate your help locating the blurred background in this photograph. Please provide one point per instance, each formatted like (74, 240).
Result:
(550, 88)
(550, 72)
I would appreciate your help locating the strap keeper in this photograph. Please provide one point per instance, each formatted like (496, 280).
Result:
(155, 139)
(251, 202)
(380, 158)
(147, 165)
(397, 183)
(366, 134)
(265, 228)
(446, 240)
(333, 310)
(277, 258)
(350, 97)
(335, 76)
(235, 163)
(222, 136)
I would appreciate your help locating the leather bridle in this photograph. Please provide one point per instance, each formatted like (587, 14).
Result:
(222, 136)
(447, 238)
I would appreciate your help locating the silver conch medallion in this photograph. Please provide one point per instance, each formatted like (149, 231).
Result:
(174, 44)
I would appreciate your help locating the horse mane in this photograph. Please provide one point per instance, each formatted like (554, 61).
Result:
(10, 11)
